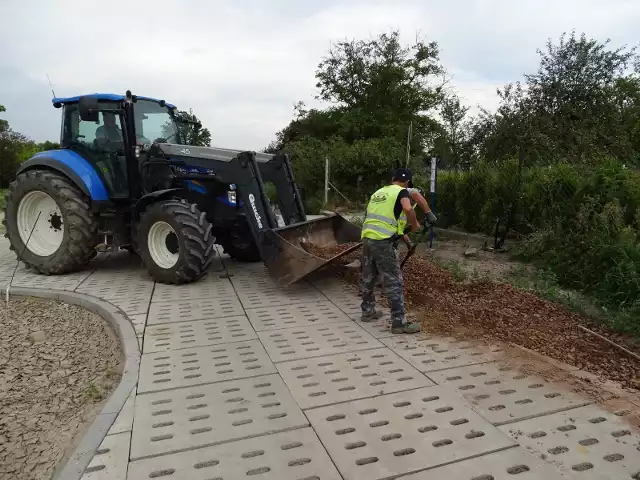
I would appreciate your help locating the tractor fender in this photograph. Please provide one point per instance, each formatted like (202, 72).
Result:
(153, 197)
(73, 166)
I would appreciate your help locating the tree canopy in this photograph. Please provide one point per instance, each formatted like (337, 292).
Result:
(16, 148)
(583, 102)
(191, 131)
(374, 89)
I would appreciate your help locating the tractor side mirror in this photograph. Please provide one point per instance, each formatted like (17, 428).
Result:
(88, 108)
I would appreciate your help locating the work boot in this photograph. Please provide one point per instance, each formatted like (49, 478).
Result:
(370, 317)
(405, 328)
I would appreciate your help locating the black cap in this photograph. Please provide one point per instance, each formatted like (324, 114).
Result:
(402, 175)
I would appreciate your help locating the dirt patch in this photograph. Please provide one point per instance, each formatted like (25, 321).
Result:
(58, 363)
(492, 310)
(471, 259)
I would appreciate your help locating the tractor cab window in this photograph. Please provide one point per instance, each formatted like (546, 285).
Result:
(101, 143)
(154, 123)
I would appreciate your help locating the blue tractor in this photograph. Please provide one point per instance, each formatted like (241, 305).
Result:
(124, 177)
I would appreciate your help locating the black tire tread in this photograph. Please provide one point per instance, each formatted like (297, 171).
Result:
(197, 237)
(251, 253)
(77, 248)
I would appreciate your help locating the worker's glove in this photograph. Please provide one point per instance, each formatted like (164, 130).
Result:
(431, 218)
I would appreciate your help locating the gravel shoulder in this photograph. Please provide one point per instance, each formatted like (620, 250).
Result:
(494, 311)
(58, 364)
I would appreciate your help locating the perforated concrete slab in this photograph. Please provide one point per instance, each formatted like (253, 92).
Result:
(243, 282)
(380, 328)
(339, 378)
(349, 304)
(199, 309)
(187, 418)
(111, 459)
(403, 433)
(344, 296)
(292, 455)
(200, 365)
(209, 287)
(198, 333)
(586, 442)
(117, 284)
(283, 296)
(139, 322)
(512, 464)
(128, 290)
(316, 341)
(298, 315)
(133, 306)
(429, 354)
(124, 420)
(69, 282)
(502, 395)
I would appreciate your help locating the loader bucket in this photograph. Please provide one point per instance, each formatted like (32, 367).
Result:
(287, 254)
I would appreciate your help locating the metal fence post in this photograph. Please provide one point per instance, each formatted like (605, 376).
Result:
(434, 175)
(326, 181)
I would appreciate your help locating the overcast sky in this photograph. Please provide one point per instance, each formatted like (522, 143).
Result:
(240, 65)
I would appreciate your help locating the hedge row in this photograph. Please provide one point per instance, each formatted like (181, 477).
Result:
(581, 222)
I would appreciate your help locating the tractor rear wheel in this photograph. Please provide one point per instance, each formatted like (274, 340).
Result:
(175, 242)
(51, 216)
(240, 244)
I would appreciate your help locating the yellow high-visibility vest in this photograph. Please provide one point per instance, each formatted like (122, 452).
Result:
(380, 222)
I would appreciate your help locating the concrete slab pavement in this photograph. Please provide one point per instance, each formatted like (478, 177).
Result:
(218, 395)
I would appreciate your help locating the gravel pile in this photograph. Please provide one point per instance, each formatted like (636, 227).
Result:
(58, 363)
(491, 310)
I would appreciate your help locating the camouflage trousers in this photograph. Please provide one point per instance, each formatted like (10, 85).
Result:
(380, 258)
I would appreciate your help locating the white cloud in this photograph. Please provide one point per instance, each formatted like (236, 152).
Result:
(242, 65)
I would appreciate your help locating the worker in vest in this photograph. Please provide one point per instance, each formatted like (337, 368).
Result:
(380, 232)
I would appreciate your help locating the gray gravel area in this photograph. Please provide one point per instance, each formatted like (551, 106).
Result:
(58, 363)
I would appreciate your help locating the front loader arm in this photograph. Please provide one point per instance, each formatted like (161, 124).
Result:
(250, 190)
(279, 172)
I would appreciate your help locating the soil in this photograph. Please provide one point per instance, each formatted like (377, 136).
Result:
(58, 364)
(329, 252)
(491, 310)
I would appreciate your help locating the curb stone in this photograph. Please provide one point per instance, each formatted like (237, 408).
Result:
(79, 459)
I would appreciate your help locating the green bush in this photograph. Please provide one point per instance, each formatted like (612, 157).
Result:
(580, 223)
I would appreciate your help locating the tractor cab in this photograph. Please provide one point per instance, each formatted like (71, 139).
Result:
(111, 131)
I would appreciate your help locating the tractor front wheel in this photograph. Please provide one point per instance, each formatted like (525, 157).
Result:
(175, 242)
(51, 216)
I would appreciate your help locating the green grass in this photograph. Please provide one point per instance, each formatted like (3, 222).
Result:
(93, 394)
(3, 192)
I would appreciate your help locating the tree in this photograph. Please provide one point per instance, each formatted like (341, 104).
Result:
(375, 89)
(48, 145)
(380, 85)
(582, 102)
(191, 131)
(4, 125)
(15, 148)
(451, 145)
